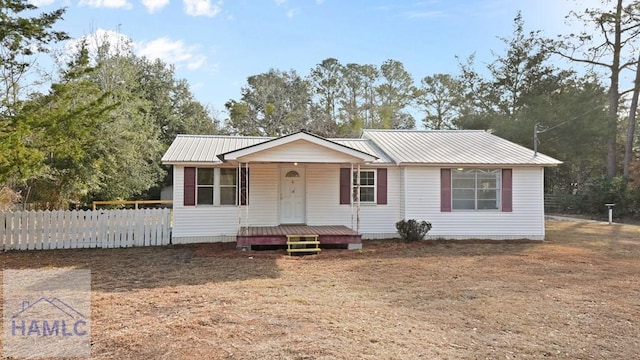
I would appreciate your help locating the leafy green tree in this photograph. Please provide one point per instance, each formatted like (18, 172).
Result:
(525, 91)
(173, 106)
(440, 97)
(22, 36)
(395, 94)
(358, 104)
(65, 127)
(328, 88)
(608, 42)
(103, 127)
(272, 104)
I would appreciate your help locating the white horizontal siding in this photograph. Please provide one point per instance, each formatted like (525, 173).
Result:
(221, 223)
(381, 219)
(263, 195)
(300, 151)
(323, 202)
(526, 220)
(323, 197)
(190, 222)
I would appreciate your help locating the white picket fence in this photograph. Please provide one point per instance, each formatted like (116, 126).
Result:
(40, 230)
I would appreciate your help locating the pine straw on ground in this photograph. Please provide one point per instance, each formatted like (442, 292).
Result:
(575, 296)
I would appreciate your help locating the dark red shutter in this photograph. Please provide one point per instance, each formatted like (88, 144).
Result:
(445, 190)
(189, 186)
(244, 186)
(345, 186)
(382, 186)
(507, 190)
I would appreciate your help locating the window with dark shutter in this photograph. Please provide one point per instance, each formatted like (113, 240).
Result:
(382, 187)
(507, 190)
(345, 186)
(445, 190)
(189, 197)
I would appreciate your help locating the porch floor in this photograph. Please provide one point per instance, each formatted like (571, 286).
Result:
(277, 235)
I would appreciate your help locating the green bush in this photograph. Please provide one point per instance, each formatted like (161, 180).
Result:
(412, 230)
(598, 192)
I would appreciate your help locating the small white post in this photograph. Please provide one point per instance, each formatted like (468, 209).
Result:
(610, 207)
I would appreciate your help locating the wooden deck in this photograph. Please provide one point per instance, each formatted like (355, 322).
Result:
(277, 235)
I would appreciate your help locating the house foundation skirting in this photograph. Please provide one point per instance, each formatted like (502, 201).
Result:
(277, 235)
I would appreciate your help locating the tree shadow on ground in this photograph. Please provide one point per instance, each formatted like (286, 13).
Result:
(117, 270)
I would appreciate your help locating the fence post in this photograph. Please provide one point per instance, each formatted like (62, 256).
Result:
(3, 232)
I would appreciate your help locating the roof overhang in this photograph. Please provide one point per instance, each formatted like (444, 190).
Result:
(254, 152)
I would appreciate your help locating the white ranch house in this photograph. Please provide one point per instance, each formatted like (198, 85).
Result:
(255, 190)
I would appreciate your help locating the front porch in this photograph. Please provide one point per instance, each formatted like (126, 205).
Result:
(277, 235)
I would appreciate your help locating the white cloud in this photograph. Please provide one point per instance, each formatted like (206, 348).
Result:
(112, 4)
(319, 2)
(173, 52)
(154, 5)
(202, 8)
(40, 3)
(118, 44)
(291, 13)
(280, 2)
(197, 62)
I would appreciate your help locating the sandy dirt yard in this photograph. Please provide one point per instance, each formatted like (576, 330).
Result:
(574, 296)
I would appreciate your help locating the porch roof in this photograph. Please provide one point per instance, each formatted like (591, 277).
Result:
(263, 151)
(214, 149)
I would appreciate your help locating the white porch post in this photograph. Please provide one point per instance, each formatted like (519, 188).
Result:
(358, 200)
(244, 229)
(238, 194)
(351, 194)
(246, 190)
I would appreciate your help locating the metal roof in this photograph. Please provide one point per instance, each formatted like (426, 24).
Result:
(432, 147)
(366, 146)
(296, 136)
(457, 147)
(206, 148)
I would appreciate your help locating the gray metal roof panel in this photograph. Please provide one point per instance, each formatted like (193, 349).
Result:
(205, 148)
(468, 147)
(366, 146)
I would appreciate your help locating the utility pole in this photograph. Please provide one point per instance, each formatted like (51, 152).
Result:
(539, 129)
(535, 137)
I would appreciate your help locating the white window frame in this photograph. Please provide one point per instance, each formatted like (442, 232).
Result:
(476, 189)
(354, 186)
(216, 187)
(234, 186)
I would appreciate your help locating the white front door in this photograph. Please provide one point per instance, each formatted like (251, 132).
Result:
(292, 195)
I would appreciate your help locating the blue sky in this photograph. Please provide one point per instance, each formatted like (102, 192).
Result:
(216, 45)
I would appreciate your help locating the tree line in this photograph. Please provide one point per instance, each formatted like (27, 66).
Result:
(580, 113)
(102, 126)
(99, 130)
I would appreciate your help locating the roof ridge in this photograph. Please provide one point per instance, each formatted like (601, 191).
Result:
(225, 136)
(425, 131)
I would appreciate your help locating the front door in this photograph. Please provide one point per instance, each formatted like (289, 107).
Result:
(292, 195)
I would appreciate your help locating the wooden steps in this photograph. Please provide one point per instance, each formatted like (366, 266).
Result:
(303, 244)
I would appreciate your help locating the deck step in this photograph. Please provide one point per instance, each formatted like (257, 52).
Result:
(304, 250)
(303, 243)
(310, 242)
